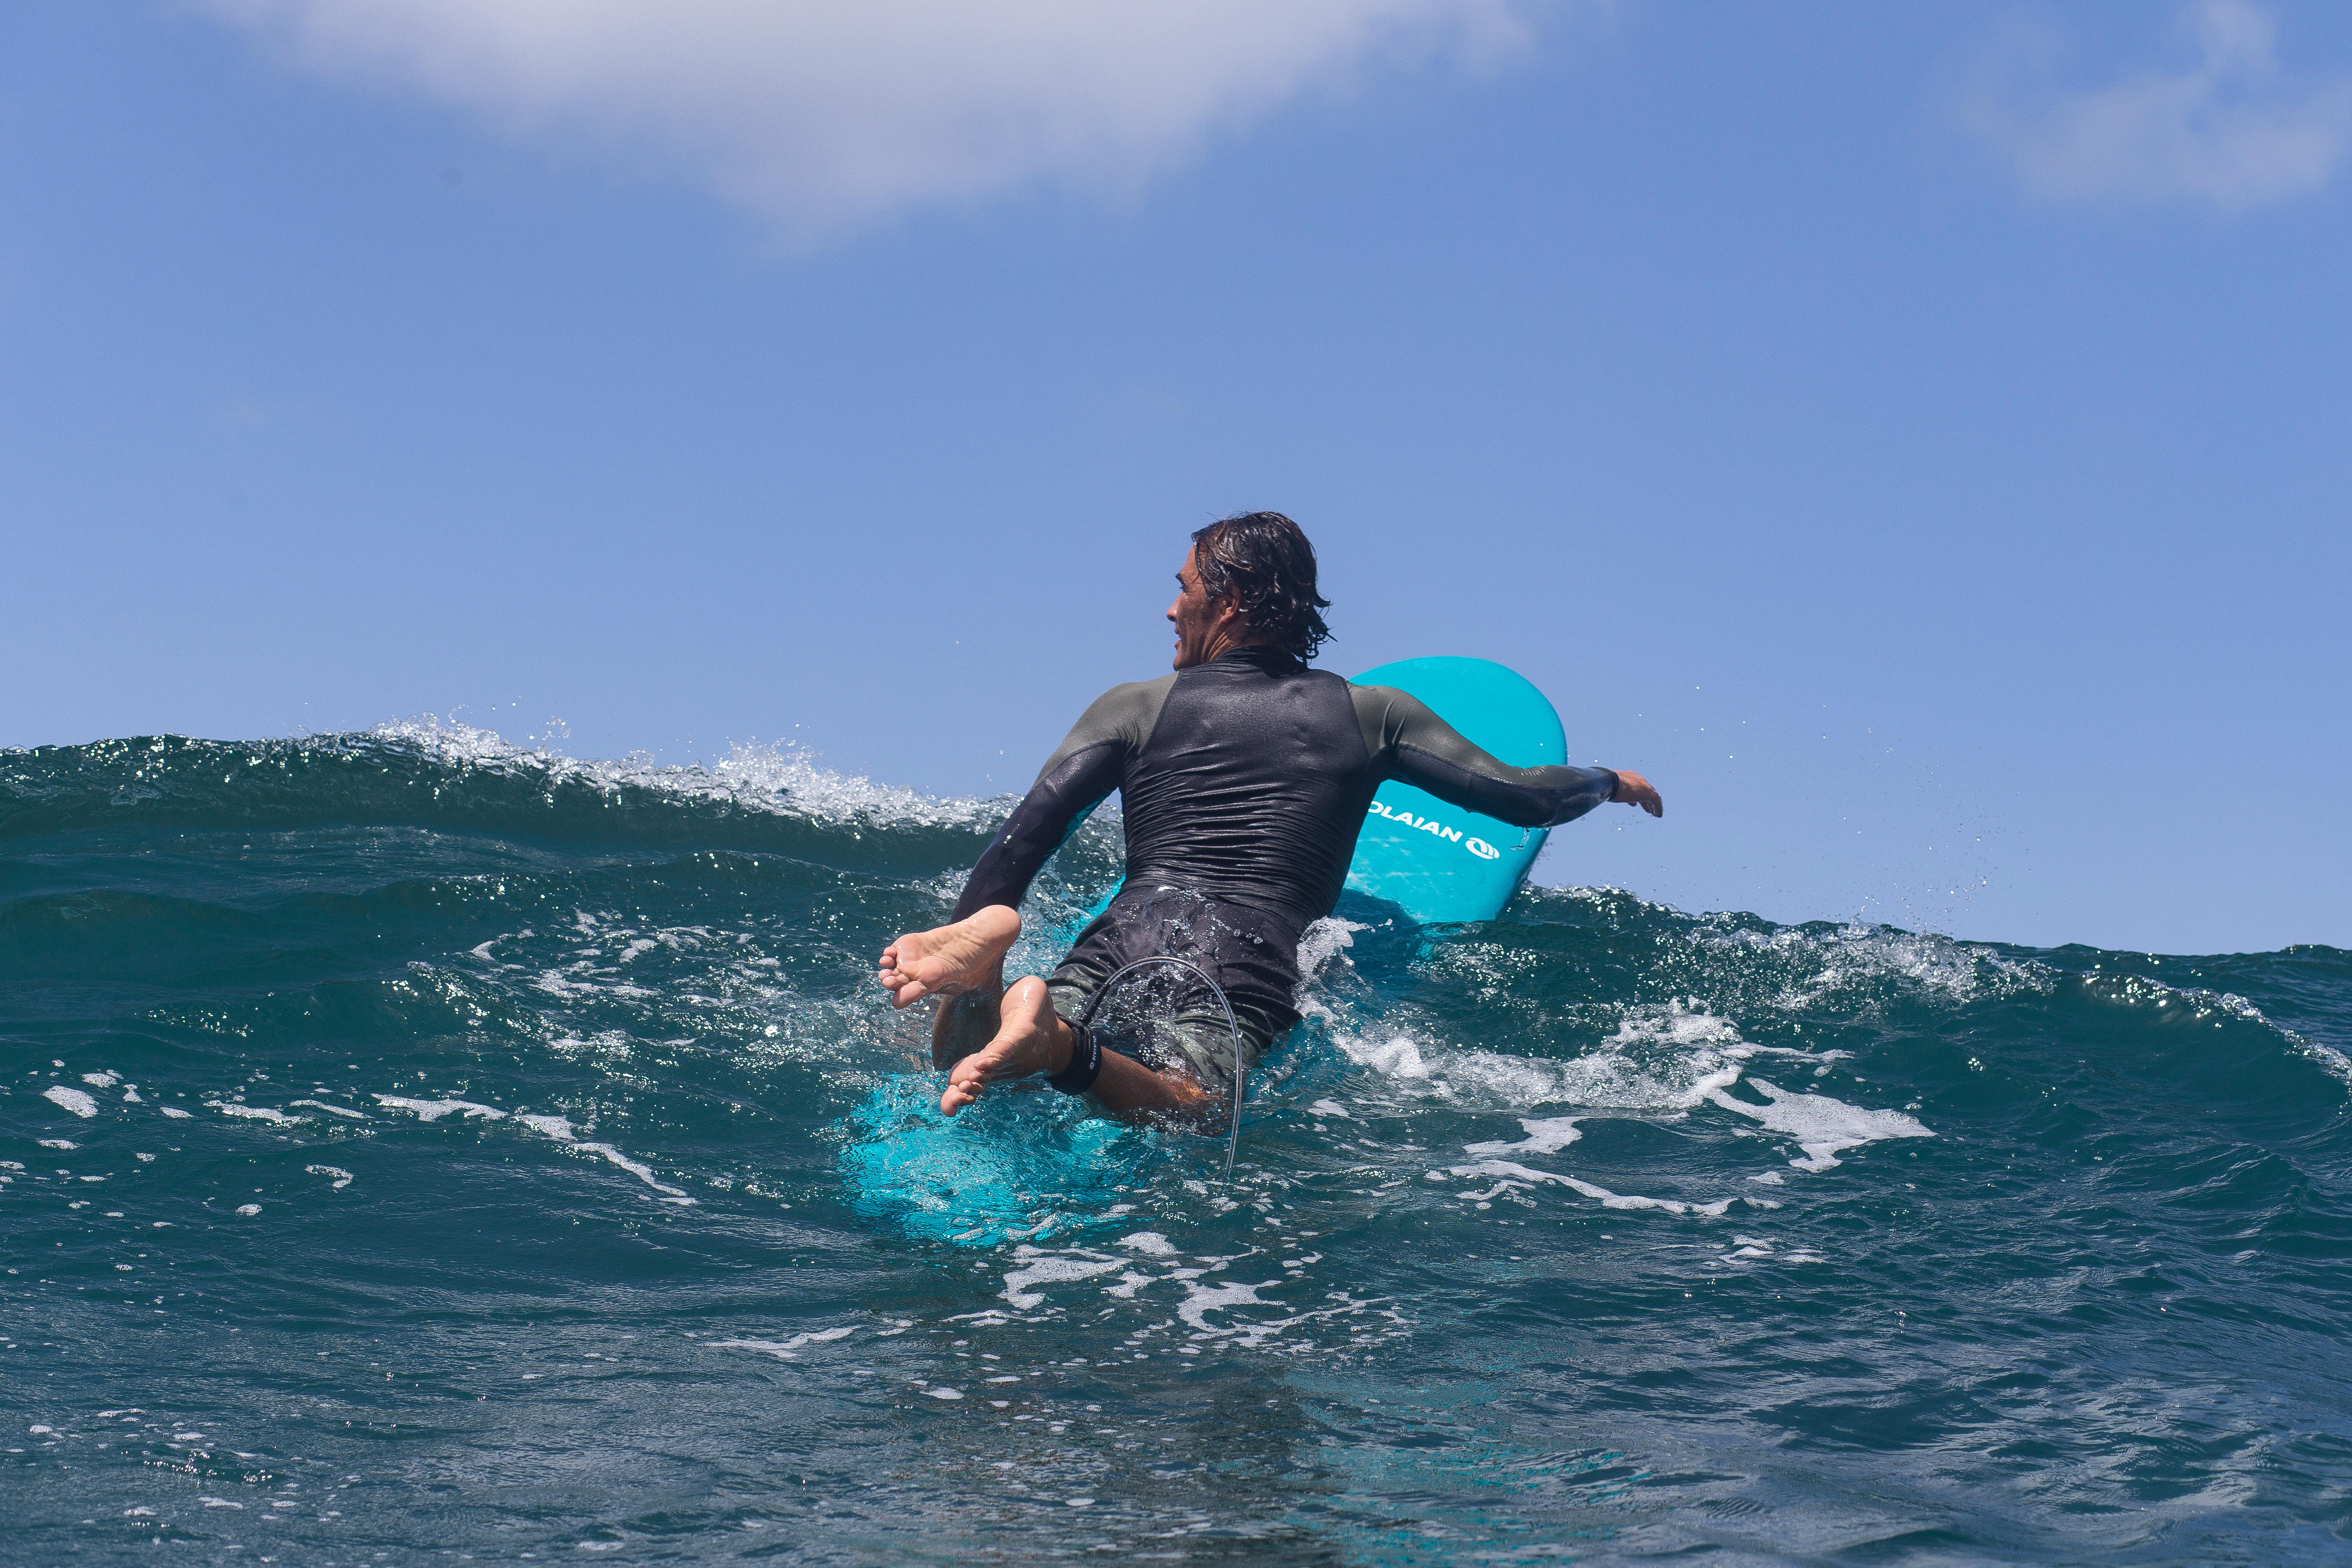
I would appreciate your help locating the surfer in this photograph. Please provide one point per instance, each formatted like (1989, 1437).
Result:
(1244, 778)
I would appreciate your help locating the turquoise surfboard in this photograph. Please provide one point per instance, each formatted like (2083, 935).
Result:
(1439, 862)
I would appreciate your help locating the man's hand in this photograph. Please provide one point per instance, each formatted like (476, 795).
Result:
(1632, 789)
(952, 959)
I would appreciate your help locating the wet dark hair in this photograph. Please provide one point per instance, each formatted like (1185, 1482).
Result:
(1262, 561)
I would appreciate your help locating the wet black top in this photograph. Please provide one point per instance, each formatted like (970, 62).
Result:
(1247, 778)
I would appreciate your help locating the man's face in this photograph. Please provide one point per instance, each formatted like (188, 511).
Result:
(1204, 626)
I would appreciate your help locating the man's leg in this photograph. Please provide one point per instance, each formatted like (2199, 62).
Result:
(983, 1033)
(1033, 1037)
(1196, 1037)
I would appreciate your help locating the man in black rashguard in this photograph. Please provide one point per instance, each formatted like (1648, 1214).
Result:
(1244, 780)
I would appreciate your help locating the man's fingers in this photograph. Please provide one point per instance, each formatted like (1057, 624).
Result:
(1632, 789)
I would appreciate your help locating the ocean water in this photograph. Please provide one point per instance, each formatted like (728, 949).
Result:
(421, 1149)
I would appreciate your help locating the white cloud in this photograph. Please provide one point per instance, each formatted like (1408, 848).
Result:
(824, 114)
(2229, 130)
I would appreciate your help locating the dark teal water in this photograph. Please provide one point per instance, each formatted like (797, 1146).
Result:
(419, 1151)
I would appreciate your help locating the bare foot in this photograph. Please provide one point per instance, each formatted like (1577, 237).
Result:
(951, 959)
(1031, 1038)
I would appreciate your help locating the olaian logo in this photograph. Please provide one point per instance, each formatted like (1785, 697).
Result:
(1478, 846)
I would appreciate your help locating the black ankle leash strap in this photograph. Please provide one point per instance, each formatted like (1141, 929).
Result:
(1086, 1054)
(1086, 1062)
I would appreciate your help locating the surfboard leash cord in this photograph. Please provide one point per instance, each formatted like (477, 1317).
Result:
(1087, 1013)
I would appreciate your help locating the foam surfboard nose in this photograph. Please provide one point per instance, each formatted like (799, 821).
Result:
(1441, 863)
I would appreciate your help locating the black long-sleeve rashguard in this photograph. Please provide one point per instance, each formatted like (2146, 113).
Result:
(1244, 782)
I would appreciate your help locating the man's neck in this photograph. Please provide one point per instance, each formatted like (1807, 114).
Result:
(1260, 652)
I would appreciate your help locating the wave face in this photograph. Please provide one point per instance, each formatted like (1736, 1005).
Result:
(416, 1144)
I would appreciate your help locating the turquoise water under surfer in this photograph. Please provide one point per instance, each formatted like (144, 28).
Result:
(1244, 779)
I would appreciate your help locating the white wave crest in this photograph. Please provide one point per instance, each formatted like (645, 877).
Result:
(1321, 942)
(2335, 1061)
(1664, 1059)
(1050, 1271)
(255, 1113)
(780, 779)
(1818, 965)
(1543, 1137)
(784, 1349)
(559, 1129)
(434, 1109)
(1510, 1176)
(1823, 1128)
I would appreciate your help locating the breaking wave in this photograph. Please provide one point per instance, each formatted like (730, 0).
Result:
(459, 1143)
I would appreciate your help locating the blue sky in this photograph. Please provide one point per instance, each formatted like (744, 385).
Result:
(1915, 436)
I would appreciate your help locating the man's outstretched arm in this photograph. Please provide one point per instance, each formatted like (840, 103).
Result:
(1415, 746)
(965, 958)
(1073, 783)
(1080, 775)
(968, 953)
